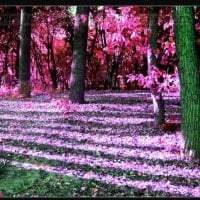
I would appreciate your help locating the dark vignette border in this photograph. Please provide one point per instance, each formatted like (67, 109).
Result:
(100, 2)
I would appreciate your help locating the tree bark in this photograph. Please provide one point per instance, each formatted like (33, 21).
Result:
(189, 77)
(38, 62)
(53, 70)
(158, 102)
(17, 60)
(78, 70)
(24, 51)
(93, 43)
(6, 56)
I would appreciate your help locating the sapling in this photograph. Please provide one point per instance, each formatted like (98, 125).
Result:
(158, 81)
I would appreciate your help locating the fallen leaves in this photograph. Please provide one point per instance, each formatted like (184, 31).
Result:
(98, 148)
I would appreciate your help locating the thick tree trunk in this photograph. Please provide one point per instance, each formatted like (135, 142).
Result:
(158, 102)
(24, 52)
(77, 78)
(189, 77)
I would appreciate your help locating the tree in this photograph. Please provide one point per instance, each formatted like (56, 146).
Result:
(78, 70)
(51, 53)
(189, 77)
(24, 51)
(123, 40)
(156, 94)
(9, 31)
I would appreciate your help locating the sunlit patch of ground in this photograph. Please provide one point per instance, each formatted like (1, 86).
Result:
(111, 142)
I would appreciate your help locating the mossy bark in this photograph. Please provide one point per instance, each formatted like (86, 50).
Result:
(158, 101)
(189, 77)
(24, 51)
(78, 70)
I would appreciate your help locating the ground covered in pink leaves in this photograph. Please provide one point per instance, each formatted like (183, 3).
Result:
(111, 139)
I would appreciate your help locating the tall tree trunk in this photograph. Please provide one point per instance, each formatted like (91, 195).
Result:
(51, 59)
(77, 78)
(108, 70)
(116, 64)
(17, 60)
(104, 44)
(189, 77)
(9, 38)
(6, 56)
(38, 62)
(158, 102)
(53, 70)
(24, 51)
(94, 67)
(145, 66)
(48, 51)
(93, 44)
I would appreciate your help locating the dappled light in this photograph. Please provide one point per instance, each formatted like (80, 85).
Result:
(81, 145)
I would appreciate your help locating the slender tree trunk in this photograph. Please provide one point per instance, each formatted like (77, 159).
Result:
(93, 44)
(104, 44)
(109, 75)
(6, 57)
(51, 59)
(136, 67)
(38, 63)
(109, 71)
(17, 60)
(48, 52)
(77, 78)
(53, 70)
(189, 77)
(116, 72)
(158, 102)
(89, 58)
(24, 51)
(9, 38)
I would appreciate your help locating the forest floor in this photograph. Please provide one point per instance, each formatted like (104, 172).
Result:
(108, 147)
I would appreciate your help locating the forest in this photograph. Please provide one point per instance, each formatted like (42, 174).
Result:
(99, 101)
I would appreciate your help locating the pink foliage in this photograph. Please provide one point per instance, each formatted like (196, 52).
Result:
(165, 82)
